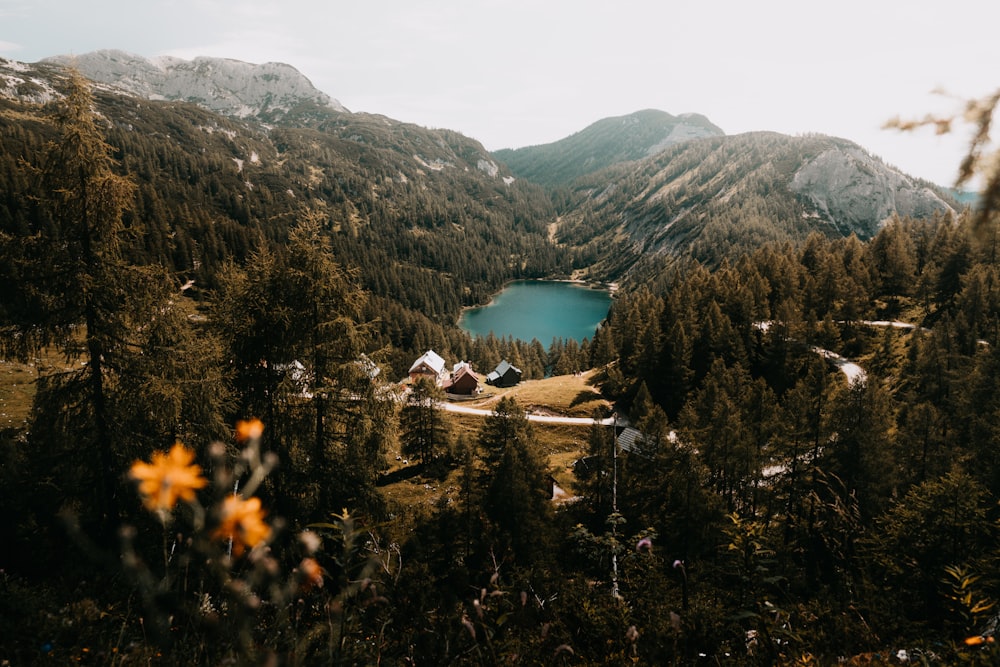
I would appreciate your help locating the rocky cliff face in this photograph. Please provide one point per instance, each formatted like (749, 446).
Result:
(858, 193)
(689, 126)
(229, 87)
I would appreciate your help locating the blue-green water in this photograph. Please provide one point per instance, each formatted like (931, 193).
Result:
(540, 309)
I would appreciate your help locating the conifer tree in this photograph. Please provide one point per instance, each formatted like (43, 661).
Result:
(939, 523)
(516, 493)
(294, 329)
(79, 295)
(327, 334)
(251, 316)
(864, 453)
(424, 431)
(716, 420)
(602, 348)
(894, 261)
(595, 472)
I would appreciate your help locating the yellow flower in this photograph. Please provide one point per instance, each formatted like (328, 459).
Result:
(249, 429)
(243, 522)
(171, 476)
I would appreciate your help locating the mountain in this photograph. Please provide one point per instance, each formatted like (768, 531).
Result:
(428, 218)
(433, 220)
(720, 196)
(605, 143)
(267, 91)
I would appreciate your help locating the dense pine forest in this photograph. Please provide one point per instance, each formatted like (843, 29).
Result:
(811, 478)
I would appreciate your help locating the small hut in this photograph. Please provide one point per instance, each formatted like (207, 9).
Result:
(505, 375)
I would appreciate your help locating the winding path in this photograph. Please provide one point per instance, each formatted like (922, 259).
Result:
(547, 419)
(853, 372)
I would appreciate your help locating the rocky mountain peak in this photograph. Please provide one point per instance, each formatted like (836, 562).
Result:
(225, 86)
(859, 193)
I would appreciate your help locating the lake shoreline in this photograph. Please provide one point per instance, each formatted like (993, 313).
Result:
(610, 288)
(540, 309)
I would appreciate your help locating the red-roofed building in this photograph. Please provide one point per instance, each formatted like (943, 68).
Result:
(463, 381)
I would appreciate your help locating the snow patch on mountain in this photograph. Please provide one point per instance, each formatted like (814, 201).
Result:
(19, 81)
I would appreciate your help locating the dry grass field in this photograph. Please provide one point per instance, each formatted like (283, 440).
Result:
(412, 489)
(17, 390)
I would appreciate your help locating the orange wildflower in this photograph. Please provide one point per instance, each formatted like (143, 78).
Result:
(978, 640)
(243, 522)
(171, 476)
(249, 429)
(311, 573)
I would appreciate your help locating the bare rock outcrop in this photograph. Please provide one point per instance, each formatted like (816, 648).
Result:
(225, 86)
(858, 193)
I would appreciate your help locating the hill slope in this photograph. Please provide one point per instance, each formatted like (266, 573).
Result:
(430, 218)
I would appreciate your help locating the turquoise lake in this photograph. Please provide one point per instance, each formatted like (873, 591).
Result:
(540, 309)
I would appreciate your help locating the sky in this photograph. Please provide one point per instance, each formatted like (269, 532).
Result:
(514, 73)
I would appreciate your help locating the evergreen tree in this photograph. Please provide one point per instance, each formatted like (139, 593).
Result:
(799, 441)
(517, 498)
(595, 473)
(424, 432)
(895, 262)
(293, 327)
(717, 423)
(602, 348)
(668, 490)
(939, 523)
(80, 295)
(863, 454)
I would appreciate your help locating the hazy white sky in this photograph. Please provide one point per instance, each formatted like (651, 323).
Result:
(513, 73)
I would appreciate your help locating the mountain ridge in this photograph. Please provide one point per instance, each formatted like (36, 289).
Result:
(604, 143)
(718, 197)
(646, 182)
(415, 210)
(268, 91)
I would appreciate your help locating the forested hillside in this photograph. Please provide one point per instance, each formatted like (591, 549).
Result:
(708, 199)
(815, 509)
(427, 218)
(204, 475)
